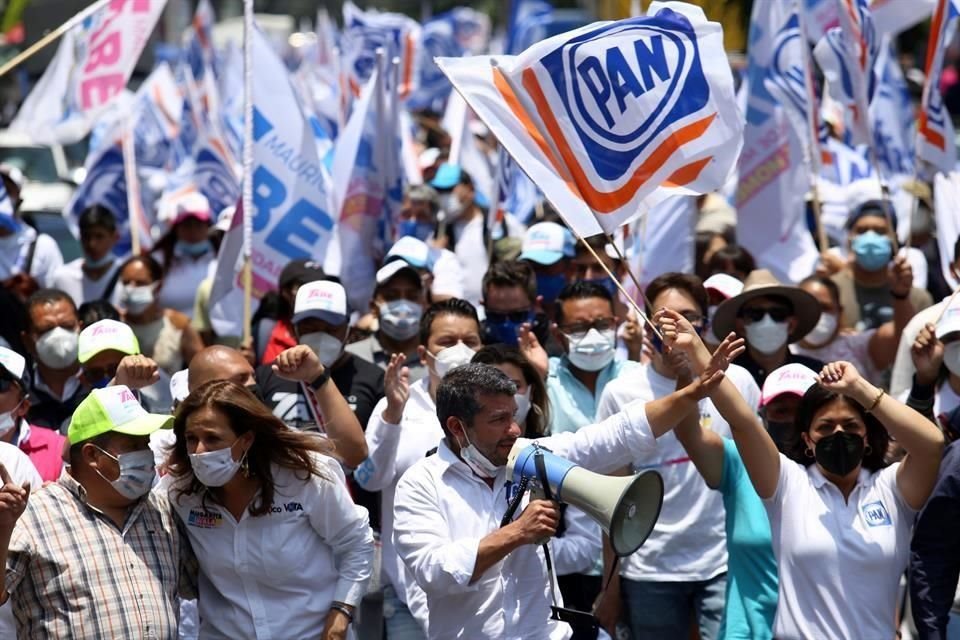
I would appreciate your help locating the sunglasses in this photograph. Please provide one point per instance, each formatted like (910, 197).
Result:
(517, 317)
(582, 328)
(756, 314)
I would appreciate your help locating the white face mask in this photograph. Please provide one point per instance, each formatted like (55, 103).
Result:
(767, 336)
(452, 205)
(137, 473)
(7, 421)
(476, 460)
(400, 319)
(451, 358)
(523, 406)
(951, 357)
(216, 468)
(136, 299)
(593, 351)
(823, 333)
(57, 348)
(327, 347)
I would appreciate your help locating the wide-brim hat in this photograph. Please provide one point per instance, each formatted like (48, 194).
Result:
(760, 283)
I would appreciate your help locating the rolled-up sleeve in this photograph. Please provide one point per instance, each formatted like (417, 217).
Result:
(422, 539)
(378, 471)
(609, 445)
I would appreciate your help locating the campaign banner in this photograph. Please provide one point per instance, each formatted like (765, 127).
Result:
(603, 116)
(892, 117)
(366, 32)
(935, 136)
(893, 17)
(92, 66)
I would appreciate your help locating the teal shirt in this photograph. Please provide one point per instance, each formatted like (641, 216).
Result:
(572, 405)
(751, 567)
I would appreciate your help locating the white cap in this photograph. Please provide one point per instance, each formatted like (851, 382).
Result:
(726, 286)
(106, 335)
(949, 322)
(392, 268)
(179, 385)
(13, 362)
(547, 243)
(322, 299)
(790, 378)
(414, 252)
(192, 205)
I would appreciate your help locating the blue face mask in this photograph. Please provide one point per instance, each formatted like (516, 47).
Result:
(550, 286)
(872, 250)
(90, 263)
(192, 249)
(505, 330)
(419, 230)
(607, 283)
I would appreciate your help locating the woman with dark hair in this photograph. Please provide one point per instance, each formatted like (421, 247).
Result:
(165, 335)
(533, 406)
(283, 551)
(840, 519)
(732, 260)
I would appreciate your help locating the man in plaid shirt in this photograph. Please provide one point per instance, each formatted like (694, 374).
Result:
(97, 554)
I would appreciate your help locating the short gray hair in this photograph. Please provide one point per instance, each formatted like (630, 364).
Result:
(459, 391)
(424, 193)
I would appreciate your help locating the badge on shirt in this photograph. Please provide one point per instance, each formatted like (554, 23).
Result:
(204, 519)
(875, 514)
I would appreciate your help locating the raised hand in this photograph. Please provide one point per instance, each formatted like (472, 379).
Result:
(532, 350)
(729, 350)
(927, 354)
(137, 372)
(396, 388)
(841, 377)
(299, 363)
(900, 276)
(13, 500)
(677, 331)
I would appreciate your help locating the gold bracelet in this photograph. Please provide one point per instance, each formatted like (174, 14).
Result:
(876, 401)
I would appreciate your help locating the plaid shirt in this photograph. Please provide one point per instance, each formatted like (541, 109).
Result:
(71, 573)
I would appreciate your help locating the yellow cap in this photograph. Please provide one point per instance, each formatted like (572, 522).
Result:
(113, 409)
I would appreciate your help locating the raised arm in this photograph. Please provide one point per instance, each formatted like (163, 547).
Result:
(379, 470)
(919, 437)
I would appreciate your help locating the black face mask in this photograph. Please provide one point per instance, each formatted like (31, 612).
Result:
(839, 453)
(782, 433)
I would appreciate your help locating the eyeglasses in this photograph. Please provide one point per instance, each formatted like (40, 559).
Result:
(756, 314)
(582, 328)
(517, 317)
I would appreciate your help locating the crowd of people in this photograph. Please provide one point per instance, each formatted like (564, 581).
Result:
(342, 472)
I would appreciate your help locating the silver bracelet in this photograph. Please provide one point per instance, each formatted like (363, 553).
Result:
(342, 608)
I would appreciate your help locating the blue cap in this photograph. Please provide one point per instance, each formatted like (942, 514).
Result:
(547, 243)
(447, 177)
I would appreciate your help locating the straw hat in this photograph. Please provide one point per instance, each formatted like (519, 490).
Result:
(757, 284)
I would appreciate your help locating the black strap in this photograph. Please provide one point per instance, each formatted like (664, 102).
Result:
(548, 495)
(108, 291)
(28, 263)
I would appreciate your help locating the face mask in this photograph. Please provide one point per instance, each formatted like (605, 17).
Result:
(400, 319)
(476, 460)
(7, 421)
(550, 286)
(872, 251)
(782, 433)
(216, 468)
(821, 334)
(505, 332)
(327, 348)
(839, 453)
(523, 405)
(593, 351)
(57, 348)
(453, 205)
(137, 473)
(607, 283)
(451, 358)
(951, 357)
(767, 336)
(419, 230)
(90, 263)
(101, 383)
(136, 299)
(192, 249)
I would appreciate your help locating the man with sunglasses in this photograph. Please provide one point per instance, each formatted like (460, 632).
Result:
(680, 572)
(769, 316)
(509, 302)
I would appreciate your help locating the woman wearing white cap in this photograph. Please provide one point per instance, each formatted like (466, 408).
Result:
(282, 549)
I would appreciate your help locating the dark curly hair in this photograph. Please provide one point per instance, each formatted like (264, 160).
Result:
(274, 442)
(815, 399)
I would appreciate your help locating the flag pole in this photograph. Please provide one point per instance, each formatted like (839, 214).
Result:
(51, 37)
(247, 195)
(534, 117)
(128, 149)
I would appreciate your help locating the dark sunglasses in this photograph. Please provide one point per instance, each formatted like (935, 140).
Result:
(777, 314)
(517, 317)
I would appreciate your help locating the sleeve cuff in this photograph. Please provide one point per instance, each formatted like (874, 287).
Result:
(350, 592)
(463, 557)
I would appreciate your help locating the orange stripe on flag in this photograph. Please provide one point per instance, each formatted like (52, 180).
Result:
(930, 135)
(407, 85)
(685, 175)
(608, 202)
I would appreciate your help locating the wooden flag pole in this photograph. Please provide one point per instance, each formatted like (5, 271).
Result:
(247, 195)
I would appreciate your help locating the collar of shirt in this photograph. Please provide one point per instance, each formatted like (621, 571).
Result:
(70, 387)
(420, 393)
(819, 480)
(78, 491)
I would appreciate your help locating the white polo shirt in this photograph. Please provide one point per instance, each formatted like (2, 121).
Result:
(391, 450)
(442, 510)
(273, 577)
(689, 541)
(840, 561)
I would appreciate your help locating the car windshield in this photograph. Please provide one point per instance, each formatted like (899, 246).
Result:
(36, 163)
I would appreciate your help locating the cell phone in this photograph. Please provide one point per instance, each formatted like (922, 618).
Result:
(576, 619)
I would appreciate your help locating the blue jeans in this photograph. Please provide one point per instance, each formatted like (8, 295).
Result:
(662, 610)
(953, 627)
(400, 623)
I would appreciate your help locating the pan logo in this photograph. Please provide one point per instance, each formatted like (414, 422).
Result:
(623, 84)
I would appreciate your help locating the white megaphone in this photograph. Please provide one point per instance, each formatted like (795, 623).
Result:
(626, 507)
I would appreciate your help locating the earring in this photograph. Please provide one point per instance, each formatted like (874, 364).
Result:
(245, 467)
(808, 452)
(868, 450)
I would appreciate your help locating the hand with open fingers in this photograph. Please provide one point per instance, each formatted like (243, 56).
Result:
(13, 500)
(299, 363)
(841, 377)
(532, 350)
(927, 355)
(677, 331)
(137, 372)
(900, 276)
(729, 350)
(538, 521)
(396, 388)
(708, 382)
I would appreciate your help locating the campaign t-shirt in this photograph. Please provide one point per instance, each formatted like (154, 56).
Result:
(751, 566)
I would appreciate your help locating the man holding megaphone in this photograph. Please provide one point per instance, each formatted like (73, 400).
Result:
(486, 581)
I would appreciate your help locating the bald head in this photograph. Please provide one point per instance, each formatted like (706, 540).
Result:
(219, 363)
